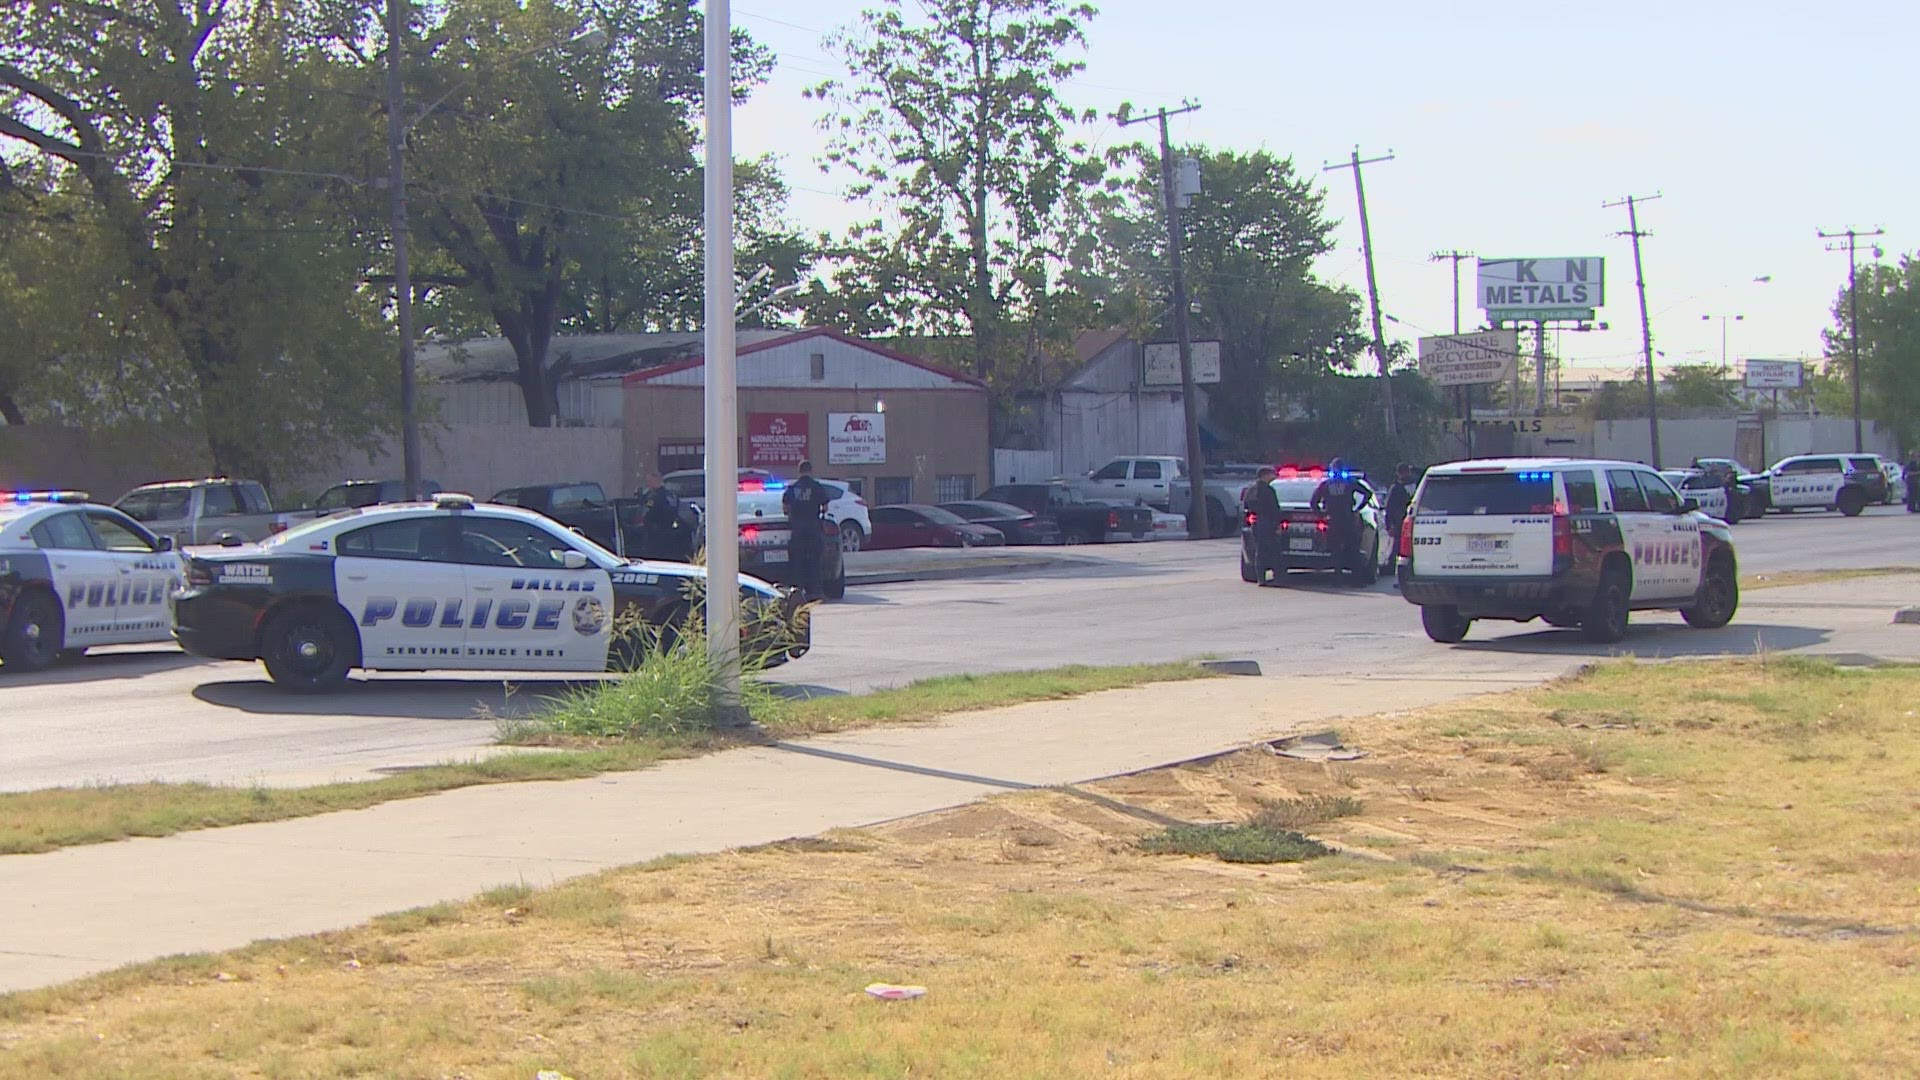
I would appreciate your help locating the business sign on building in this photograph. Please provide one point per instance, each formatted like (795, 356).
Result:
(776, 440)
(1541, 290)
(1469, 359)
(1775, 374)
(1163, 362)
(858, 438)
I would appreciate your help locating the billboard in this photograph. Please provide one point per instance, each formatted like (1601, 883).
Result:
(776, 440)
(1530, 290)
(1163, 362)
(858, 438)
(1469, 359)
(1775, 374)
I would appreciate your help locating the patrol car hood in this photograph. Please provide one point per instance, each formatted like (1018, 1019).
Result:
(699, 573)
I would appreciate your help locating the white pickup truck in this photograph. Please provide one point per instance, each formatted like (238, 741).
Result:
(1161, 481)
(204, 511)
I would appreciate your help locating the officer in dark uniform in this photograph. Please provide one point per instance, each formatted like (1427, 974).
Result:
(1264, 504)
(806, 503)
(1399, 502)
(663, 533)
(1334, 498)
(1911, 474)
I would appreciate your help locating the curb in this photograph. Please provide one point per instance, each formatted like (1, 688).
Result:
(948, 573)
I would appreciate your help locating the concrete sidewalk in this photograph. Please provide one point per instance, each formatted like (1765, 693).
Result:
(82, 910)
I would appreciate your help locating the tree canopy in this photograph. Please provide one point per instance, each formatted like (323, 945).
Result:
(1889, 335)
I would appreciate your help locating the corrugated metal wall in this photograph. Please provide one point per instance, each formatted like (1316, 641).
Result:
(846, 367)
(594, 403)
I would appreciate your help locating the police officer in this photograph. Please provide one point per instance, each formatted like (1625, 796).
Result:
(663, 535)
(1399, 503)
(1264, 504)
(805, 503)
(1911, 474)
(1334, 498)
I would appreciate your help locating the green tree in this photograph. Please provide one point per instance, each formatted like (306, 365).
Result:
(210, 165)
(952, 124)
(1695, 386)
(1889, 335)
(1250, 240)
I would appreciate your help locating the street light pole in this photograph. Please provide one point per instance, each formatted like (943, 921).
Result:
(397, 20)
(722, 389)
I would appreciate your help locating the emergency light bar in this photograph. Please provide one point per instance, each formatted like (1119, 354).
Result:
(47, 496)
(755, 484)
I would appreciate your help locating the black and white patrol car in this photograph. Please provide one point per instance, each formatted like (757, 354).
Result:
(74, 575)
(1576, 543)
(1842, 482)
(446, 584)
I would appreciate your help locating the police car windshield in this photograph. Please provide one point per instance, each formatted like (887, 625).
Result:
(1487, 493)
(300, 531)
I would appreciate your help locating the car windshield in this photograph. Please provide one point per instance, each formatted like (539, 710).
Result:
(306, 529)
(1487, 493)
(156, 504)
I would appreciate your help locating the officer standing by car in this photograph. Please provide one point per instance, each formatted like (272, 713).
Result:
(1911, 474)
(805, 503)
(1334, 498)
(1399, 502)
(1264, 504)
(663, 535)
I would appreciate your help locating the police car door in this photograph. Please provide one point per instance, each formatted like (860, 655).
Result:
(529, 610)
(1810, 481)
(1663, 543)
(147, 579)
(84, 577)
(400, 581)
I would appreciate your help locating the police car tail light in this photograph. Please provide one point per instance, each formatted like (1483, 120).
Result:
(1113, 519)
(1562, 534)
(1406, 538)
(749, 533)
(1250, 519)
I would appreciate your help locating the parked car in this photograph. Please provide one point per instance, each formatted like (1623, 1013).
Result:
(1161, 481)
(1824, 482)
(845, 508)
(912, 525)
(210, 511)
(1303, 541)
(766, 543)
(581, 505)
(1710, 492)
(1080, 520)
(358, 494)
(1168, 526)
(1017, 525)
(74, 575)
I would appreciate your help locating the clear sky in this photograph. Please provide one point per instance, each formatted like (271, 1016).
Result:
(1510, 126)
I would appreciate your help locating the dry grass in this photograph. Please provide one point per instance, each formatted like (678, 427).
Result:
(1780, 579)
(36, 821)
(1730, 892)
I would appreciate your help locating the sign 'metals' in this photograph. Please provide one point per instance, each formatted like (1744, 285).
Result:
(1469, 359)
(1529, 290)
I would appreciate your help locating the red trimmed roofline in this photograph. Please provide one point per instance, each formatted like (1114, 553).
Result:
(649, 374)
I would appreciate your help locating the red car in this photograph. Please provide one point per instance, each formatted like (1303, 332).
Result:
(912, 525)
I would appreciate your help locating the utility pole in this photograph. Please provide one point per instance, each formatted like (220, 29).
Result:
(1632, 203)
(1197, 524)
(1853, 316)
(1373, 291)
(1726, 372)
(1466, 392)
(398, 18)
(722, 393)
(1539, 367)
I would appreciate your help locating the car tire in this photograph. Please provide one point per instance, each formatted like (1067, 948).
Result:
(1367, 572)
(1719, 597)
(34, 634)
(310, 648)
(852, 536)
(1248, 572)
(73, 654)
(836, 589)
(1445, 624)
(1605, 620)
(1850, 503)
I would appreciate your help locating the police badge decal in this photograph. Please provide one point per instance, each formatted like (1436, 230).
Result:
(589, 616)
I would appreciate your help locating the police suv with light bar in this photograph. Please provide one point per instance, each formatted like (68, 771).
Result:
(1576, 543)
(448, 584)
(1303, 539)
(74, 575)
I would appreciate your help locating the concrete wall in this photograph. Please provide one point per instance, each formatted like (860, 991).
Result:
(105, 464)
(930, 433)
(480, 460)
(1683, 440)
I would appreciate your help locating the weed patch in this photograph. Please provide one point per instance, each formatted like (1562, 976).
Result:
(1245, 843)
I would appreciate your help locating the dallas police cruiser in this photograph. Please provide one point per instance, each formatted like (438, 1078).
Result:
(446, 584)
(1823, 482)
(1576, 543)
(74, 575)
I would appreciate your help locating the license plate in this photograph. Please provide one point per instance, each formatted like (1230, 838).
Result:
(1487, 544)
(1300, 544)
(773, 556)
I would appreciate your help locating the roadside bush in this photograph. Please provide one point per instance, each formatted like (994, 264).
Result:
(1248, 843)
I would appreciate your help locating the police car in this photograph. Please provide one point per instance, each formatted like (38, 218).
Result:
(445, 584)
(1303, 538)
(1577, 543)
(1709, 491)
(74, 575)
(1823, 482)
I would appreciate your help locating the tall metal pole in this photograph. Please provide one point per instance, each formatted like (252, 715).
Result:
(1373, 290)
(1539, 368)
(722, 391)
(1197, 524)
(1853, 319)
(1466, 392)
(1646, 327)
(397, 21)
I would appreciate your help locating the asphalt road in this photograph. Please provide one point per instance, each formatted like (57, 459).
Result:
(142, 714)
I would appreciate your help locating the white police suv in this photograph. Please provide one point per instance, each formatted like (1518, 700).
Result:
(446, 584)
(1576, 543)
(74, 575)
(1824, 482)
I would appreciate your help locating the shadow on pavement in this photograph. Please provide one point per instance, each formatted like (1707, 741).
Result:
(1656, 641)
(803, 691)
(415, 699)
(859, 599)
(95, 667)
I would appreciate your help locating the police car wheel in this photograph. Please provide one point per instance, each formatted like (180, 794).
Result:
(1445, 624)
(1248, 573)
(308, 648)
(1718, 598)
(1605, 620)
(33, 635)
(836, 589)
(1851, 503)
